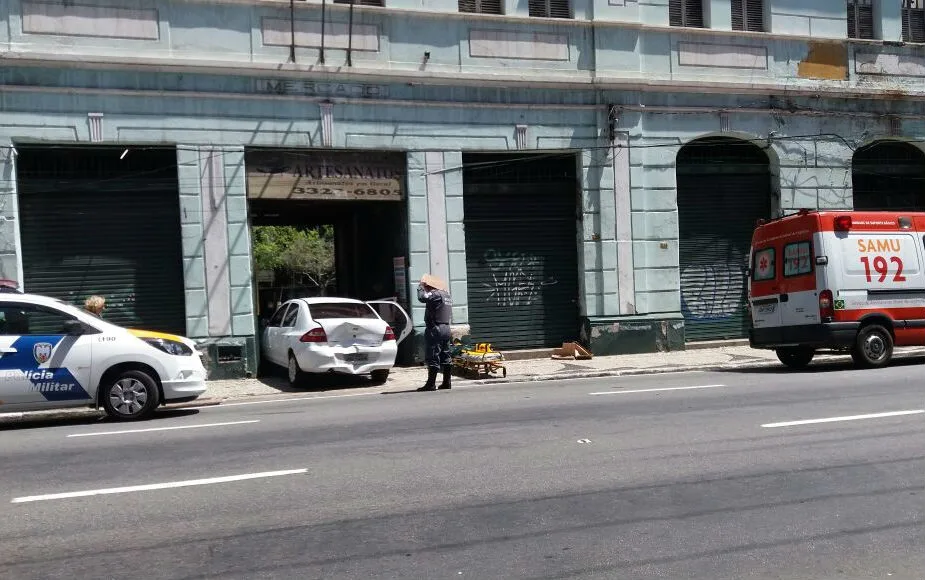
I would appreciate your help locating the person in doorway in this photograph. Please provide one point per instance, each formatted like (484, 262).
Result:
(95, 305)
(437, 315)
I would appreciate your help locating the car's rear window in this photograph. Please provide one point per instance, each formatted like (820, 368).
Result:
(340, 310)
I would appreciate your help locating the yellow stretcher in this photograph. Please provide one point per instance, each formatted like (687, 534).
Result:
(479, 360)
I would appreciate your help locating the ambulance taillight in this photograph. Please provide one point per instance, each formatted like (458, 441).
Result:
(826, 306)
(843, 223)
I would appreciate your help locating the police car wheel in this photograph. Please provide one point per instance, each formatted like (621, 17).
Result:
(873, 346)
(130, 395)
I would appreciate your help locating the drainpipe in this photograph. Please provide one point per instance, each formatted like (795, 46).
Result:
(323, 5)
(350, 36)
(292, 30)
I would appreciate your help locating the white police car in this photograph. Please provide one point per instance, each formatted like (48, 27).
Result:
(54, 355)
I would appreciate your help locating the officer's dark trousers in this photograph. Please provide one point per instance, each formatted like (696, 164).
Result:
(437, 345)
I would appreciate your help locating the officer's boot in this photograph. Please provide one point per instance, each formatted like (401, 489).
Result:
(447, 375)
(431, 384)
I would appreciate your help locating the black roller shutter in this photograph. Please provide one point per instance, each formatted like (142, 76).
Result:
(723, 189)
(521, 249)
(92, 226)
(888, 176)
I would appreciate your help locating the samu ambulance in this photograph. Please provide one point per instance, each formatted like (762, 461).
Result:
(53, 355)
(838, 281)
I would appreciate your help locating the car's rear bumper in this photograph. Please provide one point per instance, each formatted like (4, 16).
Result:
(824, 335)
(343, 360)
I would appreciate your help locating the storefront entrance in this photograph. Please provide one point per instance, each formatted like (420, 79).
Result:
(329, 223)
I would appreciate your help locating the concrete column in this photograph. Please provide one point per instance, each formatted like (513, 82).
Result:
(623, 218)
(10, 255)
(194, 267)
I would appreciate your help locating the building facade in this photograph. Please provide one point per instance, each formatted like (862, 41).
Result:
(577, 169)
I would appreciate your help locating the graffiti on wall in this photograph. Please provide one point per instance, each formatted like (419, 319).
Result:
(714, 290)
(516, 278)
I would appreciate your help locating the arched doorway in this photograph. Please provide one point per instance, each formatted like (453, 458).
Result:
(889, 175)
(724, 187)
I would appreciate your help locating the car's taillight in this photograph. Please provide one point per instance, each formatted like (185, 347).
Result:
(826, 308)
(314, 335)
(389, 335)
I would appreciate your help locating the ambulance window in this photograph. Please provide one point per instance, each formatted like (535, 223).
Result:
(764, 267)
(797, 259)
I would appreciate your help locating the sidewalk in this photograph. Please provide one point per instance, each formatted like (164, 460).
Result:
(405, 379)
(542, 369)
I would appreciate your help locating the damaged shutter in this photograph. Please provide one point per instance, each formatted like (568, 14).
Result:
(913, 21)
(748, 15)
(685, 13)
(480, 6)
(550, 9)
(860, 19)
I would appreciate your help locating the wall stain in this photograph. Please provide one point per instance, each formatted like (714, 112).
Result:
(825, 60)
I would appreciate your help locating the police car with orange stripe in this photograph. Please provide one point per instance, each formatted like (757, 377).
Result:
(841, 281)
(53, 355)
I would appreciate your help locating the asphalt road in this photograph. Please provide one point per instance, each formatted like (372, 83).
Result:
(703, 478)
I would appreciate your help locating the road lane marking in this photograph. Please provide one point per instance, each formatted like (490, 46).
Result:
(656, 390)
(155, 486)
(95, 434)
(845, 418)
(288, 400)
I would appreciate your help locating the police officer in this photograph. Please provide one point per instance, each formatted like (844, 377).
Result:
(437, 316)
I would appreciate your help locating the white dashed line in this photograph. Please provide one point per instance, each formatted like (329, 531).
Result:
(155, 486)
(657, 390)
(846, 418)
(162, 428)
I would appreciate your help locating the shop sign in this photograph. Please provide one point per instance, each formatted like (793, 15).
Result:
(312, 175)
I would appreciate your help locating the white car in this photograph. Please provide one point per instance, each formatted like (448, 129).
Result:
(310, 336)
(53, 355)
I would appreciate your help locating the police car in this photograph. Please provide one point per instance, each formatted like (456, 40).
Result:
(53, 355)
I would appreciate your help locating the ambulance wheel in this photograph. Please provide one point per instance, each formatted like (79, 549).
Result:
(130, 396)
(873, 347)
(796, 357)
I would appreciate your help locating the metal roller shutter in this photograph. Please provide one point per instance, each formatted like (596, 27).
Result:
(888, 176)
(87, 230)
(521, 250)
(722, 192)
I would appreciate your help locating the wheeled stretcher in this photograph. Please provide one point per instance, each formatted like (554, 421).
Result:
(477, 360)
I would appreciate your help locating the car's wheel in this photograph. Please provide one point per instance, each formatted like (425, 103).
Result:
(294, 372)
(797, 357)
(130, 396)
(873, 346)
(380, 377)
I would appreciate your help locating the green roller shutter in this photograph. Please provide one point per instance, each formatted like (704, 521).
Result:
(521, 250)
(723, 189)
(115, 233)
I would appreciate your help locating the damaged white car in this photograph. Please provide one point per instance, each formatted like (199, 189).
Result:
(312, 336)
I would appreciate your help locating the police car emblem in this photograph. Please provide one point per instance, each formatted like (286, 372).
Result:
(42, 352)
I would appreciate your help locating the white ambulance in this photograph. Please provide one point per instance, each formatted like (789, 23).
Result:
(53, 355)
(841, 281)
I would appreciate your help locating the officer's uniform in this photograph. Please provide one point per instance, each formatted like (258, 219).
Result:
(437, 317)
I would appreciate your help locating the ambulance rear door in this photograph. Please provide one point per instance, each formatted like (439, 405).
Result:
(763, 285)
(799, 296)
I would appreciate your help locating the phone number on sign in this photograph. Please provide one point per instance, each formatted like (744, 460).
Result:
(338, 192)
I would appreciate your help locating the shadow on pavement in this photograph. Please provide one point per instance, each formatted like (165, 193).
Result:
(318, 383)
(71, 418)
(822, 366)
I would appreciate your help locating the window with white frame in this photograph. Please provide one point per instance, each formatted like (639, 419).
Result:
(748, 15)
(860, 19)
(480, 6)
(685, 13)
(913, 20)
(550, 8)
